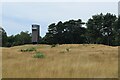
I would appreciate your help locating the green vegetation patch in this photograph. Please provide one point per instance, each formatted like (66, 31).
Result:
(28, 49)
(39, 55)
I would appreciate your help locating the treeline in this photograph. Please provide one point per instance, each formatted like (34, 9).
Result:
(100, 29)
(14, 40)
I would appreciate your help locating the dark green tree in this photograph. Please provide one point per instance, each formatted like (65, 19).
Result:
(49, 37)
(100, 29)
(117, 31)
(19, 39)
(94, 28)
(108, 28)
(69, 32)
(4, 37)
(11, 41)
(22, 38)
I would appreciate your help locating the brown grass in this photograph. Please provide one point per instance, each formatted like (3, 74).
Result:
(81, 61)
(0, 62)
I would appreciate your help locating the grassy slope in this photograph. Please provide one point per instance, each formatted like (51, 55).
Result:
(0, 62)
(91, 61)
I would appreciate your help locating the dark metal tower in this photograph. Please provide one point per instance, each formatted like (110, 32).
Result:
(35, 33)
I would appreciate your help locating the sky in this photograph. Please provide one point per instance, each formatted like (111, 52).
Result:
(19, 16)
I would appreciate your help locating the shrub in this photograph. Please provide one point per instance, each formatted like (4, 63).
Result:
(67, 49)
(31, 49)
(28, 49)
(39, 55)
(53, 45)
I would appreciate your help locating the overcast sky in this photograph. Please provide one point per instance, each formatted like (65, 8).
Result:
(19, 16)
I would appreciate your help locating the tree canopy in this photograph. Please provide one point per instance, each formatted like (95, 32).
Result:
(69, 32)
(100, 29)
(19, 39)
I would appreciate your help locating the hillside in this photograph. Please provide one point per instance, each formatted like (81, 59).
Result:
(81, 61)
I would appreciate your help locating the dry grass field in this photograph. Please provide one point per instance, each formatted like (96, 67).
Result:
(81, 61)
(0, 63)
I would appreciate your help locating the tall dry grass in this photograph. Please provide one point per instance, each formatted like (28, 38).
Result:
(81, 61)
(0, 63)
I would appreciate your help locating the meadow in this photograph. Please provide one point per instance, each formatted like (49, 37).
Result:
(61, 61)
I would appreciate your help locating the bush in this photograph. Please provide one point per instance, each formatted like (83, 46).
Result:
(28, 49)
(39, 55)
(67, 49)
(54, 45)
